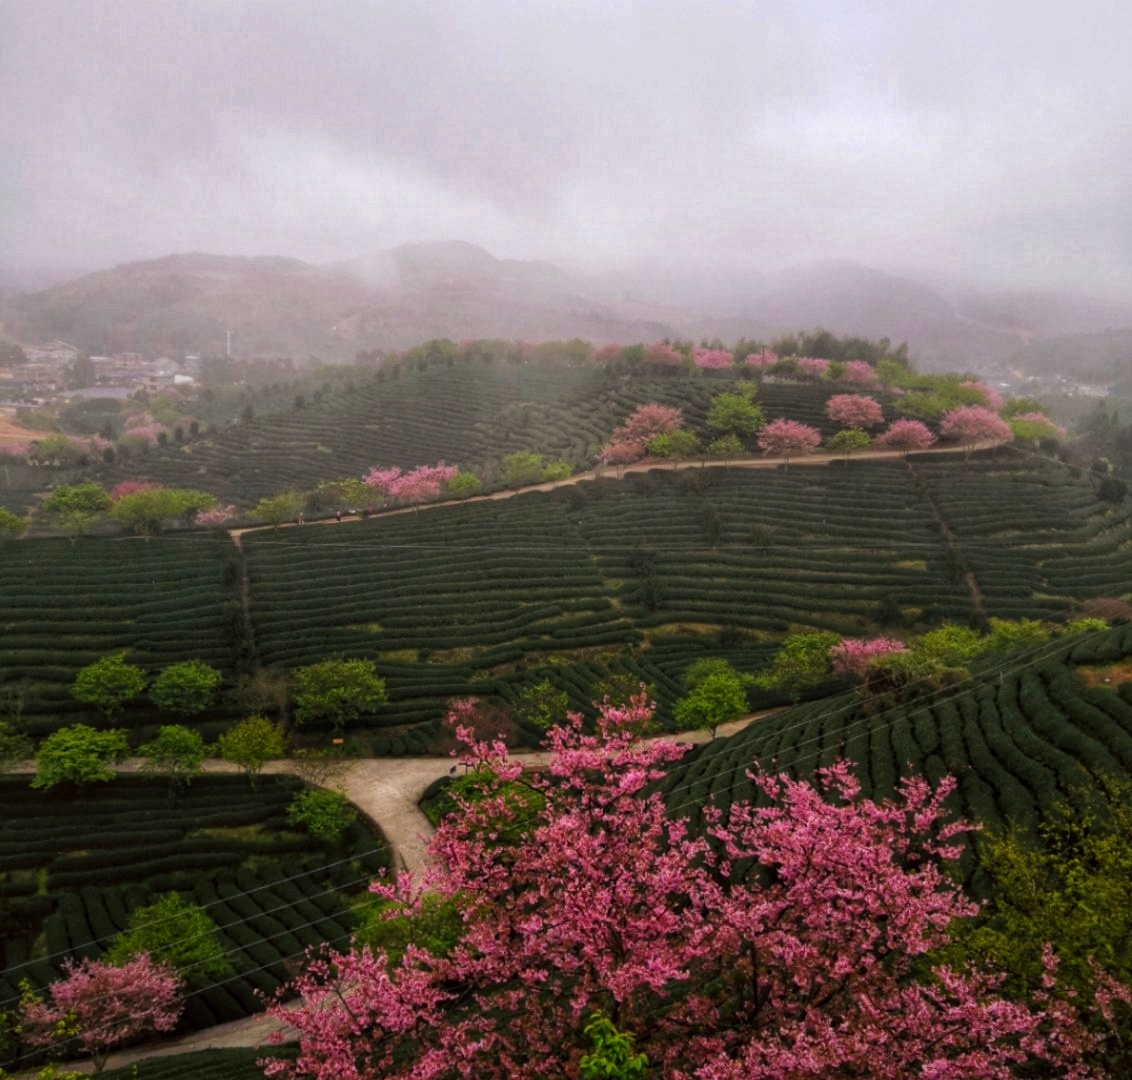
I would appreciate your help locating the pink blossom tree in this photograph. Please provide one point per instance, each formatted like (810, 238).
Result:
(762, 359)
(414, 487)
(906, 436)
(852, 656)
(854, 410)
(813, 367)
(712, 359)
(132, 487)
(218, 515)
(860, 373)
(103, 1005)
(787, 438)
(659, 354)
(974, 424)
(992, 399)
(594, 897)
(630, 441)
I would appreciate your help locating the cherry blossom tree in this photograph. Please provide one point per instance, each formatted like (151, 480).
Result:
(103, 1005)
(854, 410)
(630, 441)
(413, 488)
(992, 399)
(974, 424)
(787, 438)
(661, 355)
(595, 898)
(713, 359)
(852, 656)
(762, 359)
(860, 372)
(906, 436)
(813, 367)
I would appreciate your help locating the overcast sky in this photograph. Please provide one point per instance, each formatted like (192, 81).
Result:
(988, 139)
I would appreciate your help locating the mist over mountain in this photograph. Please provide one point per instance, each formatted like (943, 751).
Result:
(393, 299)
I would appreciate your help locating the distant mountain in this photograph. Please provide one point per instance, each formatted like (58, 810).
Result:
(284, 307)
(397, 298)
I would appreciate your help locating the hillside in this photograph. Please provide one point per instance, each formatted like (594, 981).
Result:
(635, 576)
(394, 299)
(279, 307)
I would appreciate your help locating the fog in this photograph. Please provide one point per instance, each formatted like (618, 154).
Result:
(986, 142)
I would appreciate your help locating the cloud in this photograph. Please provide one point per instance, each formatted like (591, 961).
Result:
(985, 140)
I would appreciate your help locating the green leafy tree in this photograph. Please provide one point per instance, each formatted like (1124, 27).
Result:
(175, 932)
(848, 442)
(11, 525)
(735, 413)
(15, 748)
(108, 684)
(277, 509)
(522, 467)
(555, 471)
(177, 752)
(716, 699)
(542, 704)
(340, 691)
(801, 663)
(186, 688)
(436, 925)
(677, 445)
(696, 672)
(251, 744)
(1007, 635)
(76, 507)
(463, 485)
(326, 815)
(1068, 887)
(726, 448)
(144, 512)
(612, 1056)
(78, 754)
(1088, 625)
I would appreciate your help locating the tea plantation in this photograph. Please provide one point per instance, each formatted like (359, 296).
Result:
(470, 415)
(72, 869)
(634, 576)
(1019, 735)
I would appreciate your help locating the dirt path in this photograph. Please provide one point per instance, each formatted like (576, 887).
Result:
(617, 472)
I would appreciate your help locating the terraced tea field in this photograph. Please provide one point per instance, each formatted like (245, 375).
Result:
(1017, 738)
(71, 871)
(634, 576)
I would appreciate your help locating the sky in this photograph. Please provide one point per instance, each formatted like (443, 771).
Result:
(982, 140)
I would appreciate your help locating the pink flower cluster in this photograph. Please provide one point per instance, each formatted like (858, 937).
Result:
(785, 438)
(414, 487)
(630, 441)
(14, 451)
(860, 373)
(132, 487)
(762, 359)
(1043, 421)
(973, 424)
(663, 355)
(218, 515)
(854, 410)
(992, 399)
(852, 656)
(713, 359)
(597, 896)
(813, 367)
(147, 432)
(906, 436)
